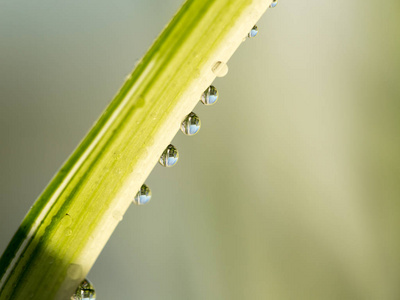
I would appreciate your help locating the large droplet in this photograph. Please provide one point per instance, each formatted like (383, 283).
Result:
(191, 125)
(274, 3)
(210, 96)
(85, 291)
(220, 69)
(169, 157)
(143, 196)
(253, 32)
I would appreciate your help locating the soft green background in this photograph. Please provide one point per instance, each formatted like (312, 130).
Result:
(290, 191)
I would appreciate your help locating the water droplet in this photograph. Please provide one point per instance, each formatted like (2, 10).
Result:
(68, 231)
(143, 196)
(153, 115)
(117, 155)
(253, 32)
(85, 291)
(117, 171)
(210, 96)
(274, 3)
(128, 77)
(169, 157)
(191, 125)
(220, 69)
(149, 141)
(74, 271)
(140, 101)
(117, 215)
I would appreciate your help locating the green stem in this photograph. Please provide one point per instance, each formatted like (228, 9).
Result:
(68, 226)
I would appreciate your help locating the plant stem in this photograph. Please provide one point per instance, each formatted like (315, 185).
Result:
(68, 226)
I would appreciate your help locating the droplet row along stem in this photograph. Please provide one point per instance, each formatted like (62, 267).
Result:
(189, 126)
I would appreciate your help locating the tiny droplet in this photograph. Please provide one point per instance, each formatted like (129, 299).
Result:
(85, 291)
(128, 77)
(253, 32)
(274, 3)
(68, 231)
(220, 69)
(191, 125)
(210, 96)
(74, 271)
(169, 157)
(143, 196)
(117, 215)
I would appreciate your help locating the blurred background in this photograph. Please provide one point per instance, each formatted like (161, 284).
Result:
(290, 191)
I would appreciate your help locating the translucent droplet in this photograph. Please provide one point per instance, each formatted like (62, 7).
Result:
(169, 157)
(68, 231)
(220, 69)
(143, 196)
(253, 32)
(85, 291)
(210, 96)
(274, 3)
(128, 77)
(117, 215)
(74, 271)
(191, 125)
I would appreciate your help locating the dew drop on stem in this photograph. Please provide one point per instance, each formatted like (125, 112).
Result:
(220, 69)
(210, 96)
(143, 196)
(74, 271)
(85, 291)
(169, 157)
(191, 125)
(253, 32)
(274, 3)
(117, 215)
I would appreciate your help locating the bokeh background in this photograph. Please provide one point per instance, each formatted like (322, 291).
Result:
(290, 191)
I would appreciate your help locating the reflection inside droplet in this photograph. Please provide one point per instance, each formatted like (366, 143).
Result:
(85, 291)
(143, 196)
(191, 125)
(253, 32)
(209, 96)
(169, 157)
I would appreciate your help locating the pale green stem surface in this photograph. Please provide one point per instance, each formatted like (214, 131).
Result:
(68, 226)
